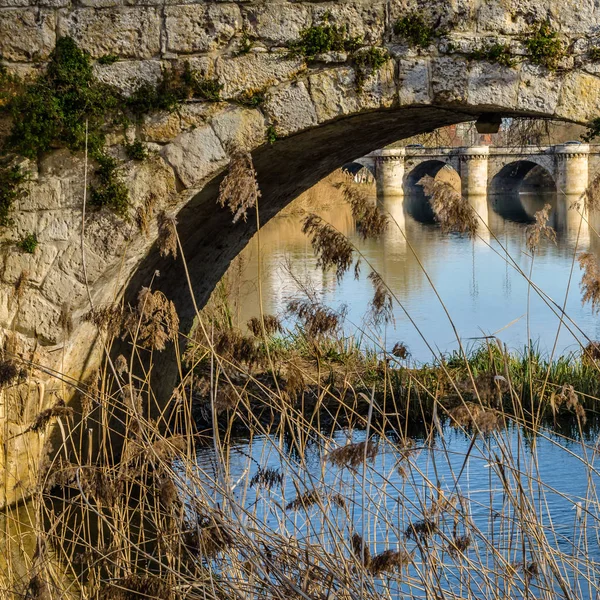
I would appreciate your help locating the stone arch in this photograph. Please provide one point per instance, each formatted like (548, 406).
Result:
(415, 201)
(513, 179)
(319, 114)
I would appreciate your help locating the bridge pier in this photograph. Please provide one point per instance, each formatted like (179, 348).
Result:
(390, 172)
(474, 170)
(572, 176)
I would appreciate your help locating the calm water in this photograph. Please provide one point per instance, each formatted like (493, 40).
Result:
(482, 284)
(476, 280)
(401, 488)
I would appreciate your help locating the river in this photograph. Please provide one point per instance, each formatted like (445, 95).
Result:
(481, 285)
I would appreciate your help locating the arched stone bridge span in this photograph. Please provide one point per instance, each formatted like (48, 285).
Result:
(486, 169)
(322, 114)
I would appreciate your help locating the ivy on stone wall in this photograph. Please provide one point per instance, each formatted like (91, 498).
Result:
(544, 46)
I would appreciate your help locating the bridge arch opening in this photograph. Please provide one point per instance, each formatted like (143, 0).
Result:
(416, 202)
(520, 189)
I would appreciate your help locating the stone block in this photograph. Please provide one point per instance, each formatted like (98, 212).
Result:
(579, 98)
(27, 34)
(239, 127)
(38, 318)
(128, 76)
(62, 289)
(414, 81)
(291, 108)
(160, 127)
(538, 90)
(492, 85)
(201, 27)
(71, 263)
(151, 177)
(36, 264)
(195, 155)
(58, 225)
(255, 71)
(127, 32)
(449, 79)
(276, 24)
(364, 20)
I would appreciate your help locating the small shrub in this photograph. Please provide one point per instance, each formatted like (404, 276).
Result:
(544, 46)
(136, 150)
(415, 30)
(594, 53)
(324, 38)
(496, 53)
(271, 134)
(108, 59)
(367, 62)
(110, 190)
(11, 180)
(28, 243)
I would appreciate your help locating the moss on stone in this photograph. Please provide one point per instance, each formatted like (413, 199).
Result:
(136, 150)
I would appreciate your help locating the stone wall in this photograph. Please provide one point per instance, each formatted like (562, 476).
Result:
(321, 118)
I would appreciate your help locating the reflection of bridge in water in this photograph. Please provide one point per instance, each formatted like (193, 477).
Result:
(495, 176)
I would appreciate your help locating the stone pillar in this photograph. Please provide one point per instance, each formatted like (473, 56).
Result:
(572, 175)
(572, 169)
(390, 173)
(474, 170)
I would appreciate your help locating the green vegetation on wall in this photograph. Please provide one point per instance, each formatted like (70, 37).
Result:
(544, 46)
(496, 53)
(28, 243)
(11, 179)
(324, 38)
(415, 30)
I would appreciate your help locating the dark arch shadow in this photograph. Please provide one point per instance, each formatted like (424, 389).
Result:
(415, 201)
(515, 191)
(285, 170)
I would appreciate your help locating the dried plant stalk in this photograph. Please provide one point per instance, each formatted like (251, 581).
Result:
(239, 190)
(540, 229)
(332, 248)
(590, 280)
(167, 235)
(451, 210)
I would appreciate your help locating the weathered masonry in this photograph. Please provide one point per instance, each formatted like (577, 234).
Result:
(324, 112)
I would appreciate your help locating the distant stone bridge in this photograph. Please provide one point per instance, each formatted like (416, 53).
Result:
(322, 119)
(485, 170)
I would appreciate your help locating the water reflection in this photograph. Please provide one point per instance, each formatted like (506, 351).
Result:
(478, 281)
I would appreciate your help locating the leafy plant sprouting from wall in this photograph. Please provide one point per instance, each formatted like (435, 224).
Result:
(544, 46)
(415, 29)
(52, 111)
(323, 38)
(496, 53)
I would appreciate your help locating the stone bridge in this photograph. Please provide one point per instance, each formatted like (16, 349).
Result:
(321, 113)
(485, 170)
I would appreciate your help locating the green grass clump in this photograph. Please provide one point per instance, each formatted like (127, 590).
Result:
(136, 150)
(11, 180)
(324, 38)
(594, 53)
(544, 46)
(496, 53)
(415, 30)
(110, 190)
(28, 243)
